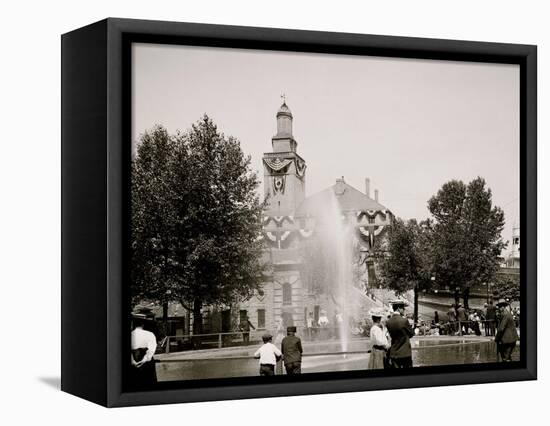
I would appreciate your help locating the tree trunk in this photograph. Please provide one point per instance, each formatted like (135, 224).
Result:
(187, 321)
(466, 297)
(197, 323)
(457, 296)
(165, 318)
(415, 314)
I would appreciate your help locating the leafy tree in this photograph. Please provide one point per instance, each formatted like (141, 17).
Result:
(467, 235)
(152, 216)
(407, 265)
(196, 218)
(506, 286)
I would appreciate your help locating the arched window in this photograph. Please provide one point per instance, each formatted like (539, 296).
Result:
(287, 294)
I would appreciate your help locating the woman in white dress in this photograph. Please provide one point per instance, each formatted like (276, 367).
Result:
(379, 343)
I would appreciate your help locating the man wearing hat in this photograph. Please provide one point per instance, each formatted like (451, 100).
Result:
(400, 332)
(462, 318)
(451, 317)
(490, 318)
(507, 335)
(291, 347)
(244, 326)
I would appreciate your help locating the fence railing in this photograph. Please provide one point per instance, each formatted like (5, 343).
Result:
(218, 338)
(460, 328)
(224, 339)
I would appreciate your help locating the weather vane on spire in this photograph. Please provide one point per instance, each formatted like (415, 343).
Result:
(283, 97)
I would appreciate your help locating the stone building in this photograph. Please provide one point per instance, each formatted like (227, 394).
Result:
(512, 261)
(290, 219)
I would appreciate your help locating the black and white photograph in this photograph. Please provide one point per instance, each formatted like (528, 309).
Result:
(294, 213)
(275, 213)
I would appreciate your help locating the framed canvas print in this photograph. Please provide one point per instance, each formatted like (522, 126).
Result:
(254, 212)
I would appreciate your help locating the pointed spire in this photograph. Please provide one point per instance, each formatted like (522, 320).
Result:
(284, 119)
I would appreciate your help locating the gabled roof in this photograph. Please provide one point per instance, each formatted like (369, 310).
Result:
(349, 199)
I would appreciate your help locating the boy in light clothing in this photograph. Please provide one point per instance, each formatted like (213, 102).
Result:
(269, 355)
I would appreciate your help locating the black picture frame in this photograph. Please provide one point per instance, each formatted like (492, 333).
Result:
(96, 91)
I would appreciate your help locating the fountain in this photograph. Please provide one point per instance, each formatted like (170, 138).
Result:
(332, 272)
(336, 239)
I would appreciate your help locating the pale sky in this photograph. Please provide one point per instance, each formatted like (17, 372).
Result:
(409, 125)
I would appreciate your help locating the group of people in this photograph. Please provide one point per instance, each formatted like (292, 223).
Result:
(463, 321)
(390, 341)
(323, 328)
(499, 321)
(390, 345)
(290, 353)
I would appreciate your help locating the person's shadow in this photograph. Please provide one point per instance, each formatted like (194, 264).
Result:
(54, 382)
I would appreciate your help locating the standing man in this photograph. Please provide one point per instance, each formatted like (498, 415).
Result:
(507, 335)
(490, 318)
(291, 347)
(245, 328)
(144, 345)
(400, 331)
(310, 326)
(451, 316)
(462, 318)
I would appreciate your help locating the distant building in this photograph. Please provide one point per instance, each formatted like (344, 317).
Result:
(512, 261)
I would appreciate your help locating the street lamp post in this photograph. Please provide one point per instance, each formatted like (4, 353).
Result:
(364, 257)
(165, 305)
(489, 295)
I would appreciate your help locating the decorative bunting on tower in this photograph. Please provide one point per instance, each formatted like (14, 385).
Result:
(300, 168)
(277, 165)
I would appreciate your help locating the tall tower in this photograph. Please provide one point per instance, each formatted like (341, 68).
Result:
(284, 169)
(515, 241)
(513, 260)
